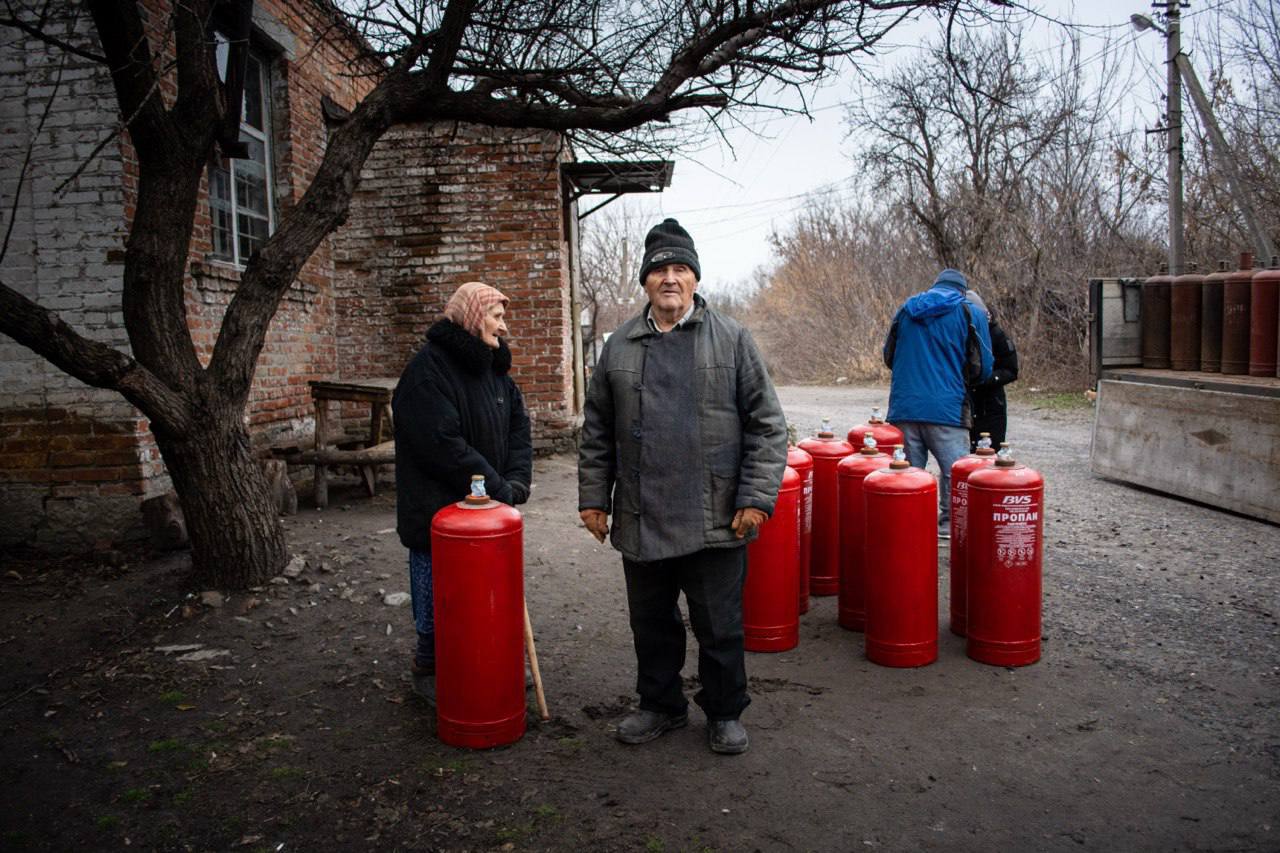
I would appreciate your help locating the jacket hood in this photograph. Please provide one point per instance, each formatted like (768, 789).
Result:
(469, 350)
(938, 300)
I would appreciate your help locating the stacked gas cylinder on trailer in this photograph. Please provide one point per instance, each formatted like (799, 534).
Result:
(1264, 321)
(1227, 321)
(1185, 371)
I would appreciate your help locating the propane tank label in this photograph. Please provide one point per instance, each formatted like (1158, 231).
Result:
(1014, 521)
(959, 513)
(807, 512)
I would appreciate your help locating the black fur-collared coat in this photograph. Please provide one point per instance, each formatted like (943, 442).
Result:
(457, 412)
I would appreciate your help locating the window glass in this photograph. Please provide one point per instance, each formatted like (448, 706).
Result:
(251, 178)
(252, 114)
(240, 204)
(220, 208)
(221, 52)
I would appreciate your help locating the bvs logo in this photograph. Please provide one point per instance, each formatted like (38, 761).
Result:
(1016, 499)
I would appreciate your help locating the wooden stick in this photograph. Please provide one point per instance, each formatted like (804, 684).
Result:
(533, 666)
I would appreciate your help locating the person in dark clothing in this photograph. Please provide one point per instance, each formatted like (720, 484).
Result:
(684, 442)
(990, 411)
(457, 412)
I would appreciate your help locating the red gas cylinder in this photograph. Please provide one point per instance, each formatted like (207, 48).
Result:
(1235, 317)
(1006, 536)
(1264, 307)
(803, 463)
(770, 609)
(1184, 323)
(960, 470)
(824, 563)
(1211, 319)
(477, 556)
(900, 573)
(850, 473)
(887, 435)
(1154, 318)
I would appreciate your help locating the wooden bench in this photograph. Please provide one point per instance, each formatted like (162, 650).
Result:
(376, 392)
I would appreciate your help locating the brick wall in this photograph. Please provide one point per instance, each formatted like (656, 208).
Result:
(74, 461)
(309, 64)
(439, 205)
(60, 441)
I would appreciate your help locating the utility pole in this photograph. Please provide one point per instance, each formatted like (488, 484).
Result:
(1262, 244)
(1173, 46)
(1180, 71)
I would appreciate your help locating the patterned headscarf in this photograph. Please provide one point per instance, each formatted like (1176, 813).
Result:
(469, 304)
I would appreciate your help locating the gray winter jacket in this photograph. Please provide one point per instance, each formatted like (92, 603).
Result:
(741, 447)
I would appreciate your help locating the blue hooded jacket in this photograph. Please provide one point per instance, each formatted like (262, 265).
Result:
(926, 350)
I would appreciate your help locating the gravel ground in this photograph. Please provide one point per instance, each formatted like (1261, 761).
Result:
(1150, 723)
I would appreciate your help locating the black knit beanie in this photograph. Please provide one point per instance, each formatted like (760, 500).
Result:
(668, 243)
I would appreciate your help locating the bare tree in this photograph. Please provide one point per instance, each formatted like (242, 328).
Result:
(1006, 166)
(601, 71)
(954, 134)
(842, 269)
(1013, 169)
(1240, 59)
(612, 250)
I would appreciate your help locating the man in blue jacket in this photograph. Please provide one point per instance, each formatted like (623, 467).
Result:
(938, 347)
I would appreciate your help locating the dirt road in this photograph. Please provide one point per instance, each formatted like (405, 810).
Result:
(1150, 724)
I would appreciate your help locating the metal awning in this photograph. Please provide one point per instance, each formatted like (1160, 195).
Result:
(615, 179)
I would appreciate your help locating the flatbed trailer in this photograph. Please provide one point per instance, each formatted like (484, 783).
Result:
(1208, 437)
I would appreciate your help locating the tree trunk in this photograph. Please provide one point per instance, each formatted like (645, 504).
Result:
(237, 540)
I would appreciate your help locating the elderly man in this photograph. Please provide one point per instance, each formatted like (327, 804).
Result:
(938, 347)
(684, 442)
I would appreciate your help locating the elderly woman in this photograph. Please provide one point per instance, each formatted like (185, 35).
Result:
(457, 413)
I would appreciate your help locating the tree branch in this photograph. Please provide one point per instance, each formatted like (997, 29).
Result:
(447, 42)
(36, 32)
(91, 362)
(322, 208)
(133, 72)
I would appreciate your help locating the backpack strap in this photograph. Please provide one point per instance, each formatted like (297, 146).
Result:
(972, 349)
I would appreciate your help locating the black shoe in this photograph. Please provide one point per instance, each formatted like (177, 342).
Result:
(423, 667)
(727, 737)
(425, 686)
(644, 726)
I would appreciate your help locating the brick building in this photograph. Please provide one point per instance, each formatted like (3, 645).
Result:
(437, 205)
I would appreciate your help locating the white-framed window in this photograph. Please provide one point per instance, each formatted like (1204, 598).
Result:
(240, 204)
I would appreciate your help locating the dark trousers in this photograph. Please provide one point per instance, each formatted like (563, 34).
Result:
(990, 414)
(711, 580)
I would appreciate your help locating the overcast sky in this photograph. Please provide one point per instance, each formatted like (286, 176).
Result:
(730, 199)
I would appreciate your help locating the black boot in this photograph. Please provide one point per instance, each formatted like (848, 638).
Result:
(424, 657)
